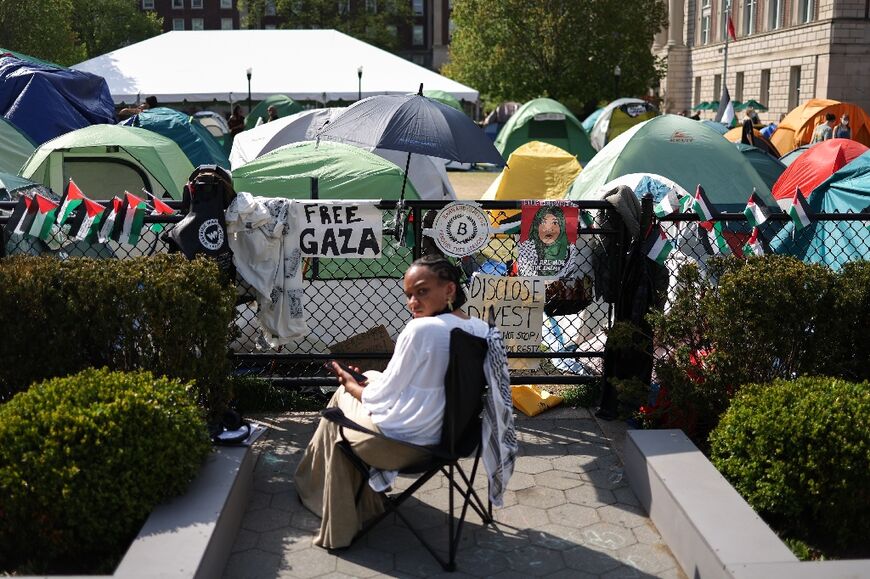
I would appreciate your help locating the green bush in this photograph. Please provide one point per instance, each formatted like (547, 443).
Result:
(852, 315)
(85, 459)
(257, 395)
(799, 453)
(164, 313)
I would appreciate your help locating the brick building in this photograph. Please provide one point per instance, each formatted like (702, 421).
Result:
(424, 41)
(786, 52)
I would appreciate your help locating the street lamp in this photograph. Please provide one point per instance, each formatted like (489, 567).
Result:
(248, 74)
(617, 73)
(359, 84)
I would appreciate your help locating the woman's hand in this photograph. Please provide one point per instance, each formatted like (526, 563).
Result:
(347, 380)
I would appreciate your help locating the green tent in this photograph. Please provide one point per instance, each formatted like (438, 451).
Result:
(15, 147)
(548, 121)
(282, 103)
(106, 160)
(682, 150)
(444, 98)
(768, 167)
(193, 138)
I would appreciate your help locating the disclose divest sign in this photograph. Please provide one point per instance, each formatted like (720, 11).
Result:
(340, 229)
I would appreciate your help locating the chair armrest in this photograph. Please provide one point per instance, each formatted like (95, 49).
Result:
(337, 416)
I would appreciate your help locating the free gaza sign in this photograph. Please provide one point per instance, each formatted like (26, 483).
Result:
(340, 229)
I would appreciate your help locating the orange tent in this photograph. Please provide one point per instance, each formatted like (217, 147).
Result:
(797, 127)
(760, 142)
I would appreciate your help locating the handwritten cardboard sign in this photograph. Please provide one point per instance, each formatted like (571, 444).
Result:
(340, 229)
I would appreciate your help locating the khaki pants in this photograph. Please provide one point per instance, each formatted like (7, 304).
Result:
(327, 481)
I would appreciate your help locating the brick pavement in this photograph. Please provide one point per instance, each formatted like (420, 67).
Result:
(568, 513)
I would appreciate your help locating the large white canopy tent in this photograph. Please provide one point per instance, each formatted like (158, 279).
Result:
(318, 65)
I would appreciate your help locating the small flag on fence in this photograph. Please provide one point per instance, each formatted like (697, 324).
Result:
(756, 211)
(587, 219)
(800, 212)
(22, 216)
(658, 246)
(668, 204)
(130, 220)
(107, 223)
(712, 238)
(85, 225)
(46, 213)
(72, 199)
(756, 244)
(702, 206)
(160, 208)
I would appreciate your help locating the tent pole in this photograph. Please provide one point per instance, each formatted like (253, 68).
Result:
(405, 178)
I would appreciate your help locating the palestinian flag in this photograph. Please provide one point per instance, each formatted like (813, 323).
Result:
(22, 216)
(107, 222)
(46, 213)
(668, 204)
(72, 199)
(712, 238)
(756, 211)
(85, 225)
(756, 244)
(586, 219)
(160, 208)
(658, 246)
(130, 220)
(702, 206)
(725, 114)
(800, 212)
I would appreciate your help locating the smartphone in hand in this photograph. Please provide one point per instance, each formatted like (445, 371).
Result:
(359, 377)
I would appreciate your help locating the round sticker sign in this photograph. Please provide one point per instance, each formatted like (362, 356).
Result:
(211, 235)
(460, 229)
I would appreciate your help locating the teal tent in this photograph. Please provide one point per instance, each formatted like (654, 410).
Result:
(833, 243)
(193, 138)
(284, 105)
(548, 121)
(15, 147)
(682, 150)
(792, 156)
(718, 127)
(589, 121)
(444, 98)
(768, 167)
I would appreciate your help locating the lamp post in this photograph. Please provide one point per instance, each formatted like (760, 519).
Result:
(617, 73)
(248, 74)
(359, 84)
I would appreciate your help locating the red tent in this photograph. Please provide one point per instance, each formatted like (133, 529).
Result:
(808, 171)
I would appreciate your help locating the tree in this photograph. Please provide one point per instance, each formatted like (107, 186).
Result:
(40, 28)
(563, 49)
(106, 25)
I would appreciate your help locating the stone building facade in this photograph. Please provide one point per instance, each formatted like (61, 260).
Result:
(786, 52)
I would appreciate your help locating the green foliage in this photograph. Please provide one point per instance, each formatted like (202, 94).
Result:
(106, 25)
(256, 395)
(852, 313)
(582, 395)
(164, 313)
(86, 458)
(563, 49)
(799, 452)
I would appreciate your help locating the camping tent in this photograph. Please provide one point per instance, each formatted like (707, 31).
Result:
(589, 121)
(11, 184)
(15, 147)
(813, 167)
(194, 139)
(797, 127)
(427, 174)
(833, 242)
(768, 167)
(44, 101)
(284, 106)
(618, 117)
(535, 170)
(548, 121)
(217, 127)
(106, 160)
(498, 117)
(791, 156)
(680, 149)
(718, 127)
(735, 135)
(205, 65)
(444, 98)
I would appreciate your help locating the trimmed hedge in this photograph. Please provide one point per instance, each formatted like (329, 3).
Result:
(799, 453)
(163, 313)
(85, 459)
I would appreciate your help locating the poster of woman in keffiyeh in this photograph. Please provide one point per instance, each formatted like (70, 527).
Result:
(548, 233)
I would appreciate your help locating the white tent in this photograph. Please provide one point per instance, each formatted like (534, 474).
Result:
(320, 65)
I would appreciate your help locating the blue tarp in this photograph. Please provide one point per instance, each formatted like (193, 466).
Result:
(834, 242)
(44, 101)
(194, 139)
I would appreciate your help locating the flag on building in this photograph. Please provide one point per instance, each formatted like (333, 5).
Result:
(712, 238)
(130, 220)
(702, 206)
(800, 212)
(756, 244)
(85, 223)
(731, 31)
(46, 213)
(756, 211)
(658, 246)
(72, 199)
(725, 114)
(160, 208)
(22, 216)
(107, 222)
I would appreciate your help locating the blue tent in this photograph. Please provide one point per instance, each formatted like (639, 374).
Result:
(45, 101)
(768, 167)
(589, 121)
(194, 139)
(834, 242)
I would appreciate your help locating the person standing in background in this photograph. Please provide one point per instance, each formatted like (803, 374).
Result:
(843, 130)
(825, 130)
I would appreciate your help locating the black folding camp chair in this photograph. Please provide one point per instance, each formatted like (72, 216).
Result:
(465, 386)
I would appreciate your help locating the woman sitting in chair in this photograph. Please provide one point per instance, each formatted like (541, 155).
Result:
(406, 402)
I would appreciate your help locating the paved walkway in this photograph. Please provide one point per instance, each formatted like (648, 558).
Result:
(568, 513)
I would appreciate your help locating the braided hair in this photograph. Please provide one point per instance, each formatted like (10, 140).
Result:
(444, 269)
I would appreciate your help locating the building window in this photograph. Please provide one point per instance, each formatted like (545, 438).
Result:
(417, 7)
(723, 19)
(717, 86)
(226, 23)
(177, 4)
(764, 92)
(794, 87)
(226, 4)
(697, 90)
(197, 24)
(738, 86)
(178, 23)
(270, 8)
(775, 8)
(705, 29)
(805, 11)
(147, 4)
(417, 38)
(372, 6)
(196, 4)
(750, 8)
